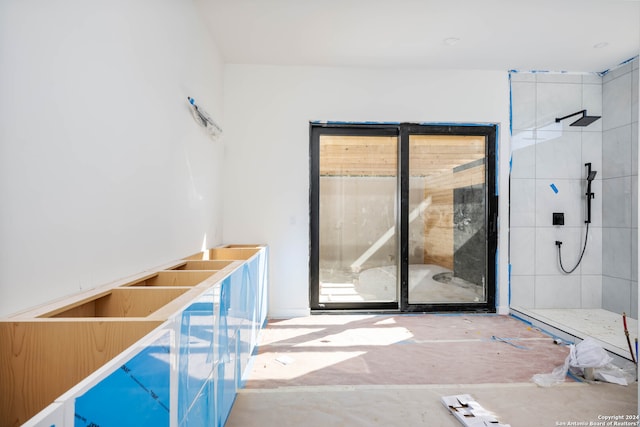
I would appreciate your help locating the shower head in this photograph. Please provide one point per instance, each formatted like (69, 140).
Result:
(591, 175)
(585, 121)
(582, 121)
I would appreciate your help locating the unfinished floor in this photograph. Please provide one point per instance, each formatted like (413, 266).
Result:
(388, 370)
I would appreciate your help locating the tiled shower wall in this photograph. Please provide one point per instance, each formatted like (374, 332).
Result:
(548, 175)
(620, 189)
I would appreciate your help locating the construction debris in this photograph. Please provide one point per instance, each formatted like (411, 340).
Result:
(469, 412)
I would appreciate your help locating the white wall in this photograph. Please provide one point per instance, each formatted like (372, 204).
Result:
(620, 189)
(268, 109)
(103, 172)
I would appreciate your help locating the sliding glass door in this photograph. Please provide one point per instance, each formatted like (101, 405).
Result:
(354, 226)
(450, 205)
(403, 217)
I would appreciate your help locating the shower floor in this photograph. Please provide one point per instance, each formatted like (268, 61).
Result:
(605, 326)
(428, 283)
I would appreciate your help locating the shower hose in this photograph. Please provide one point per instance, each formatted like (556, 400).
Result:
(559, 244)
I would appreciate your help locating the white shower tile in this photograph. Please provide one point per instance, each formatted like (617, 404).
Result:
(546, 256)
(634, 254)
(560, 158)
(522, 291)
(523, 203)
(616, 202)
(556, 100)
(556, 77)
(635, 63)
(591, 292)
(592, 102)
(634, 201)
(523, 157)
(634, 149)
(633, 312)
(592, 78)
(522, 76)
(616, 294)
(555, 153)
(616, 253)
(523, 107)
(522, 250)
(572, 245)
(592, 151)
(635, 76)
(616, 102)
(618, 71)
(558, 291)
(568, 199)
(546, 261)
(592, 259)
(616, 152)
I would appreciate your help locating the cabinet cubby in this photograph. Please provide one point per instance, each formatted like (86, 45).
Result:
(144, 350)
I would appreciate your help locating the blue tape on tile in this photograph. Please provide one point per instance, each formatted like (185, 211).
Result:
(509, 341)
(605, 72)
(554, 188)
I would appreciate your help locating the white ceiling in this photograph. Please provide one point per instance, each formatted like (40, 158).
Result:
(554, 35)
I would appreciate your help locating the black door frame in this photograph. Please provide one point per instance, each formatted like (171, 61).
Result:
(403, 131)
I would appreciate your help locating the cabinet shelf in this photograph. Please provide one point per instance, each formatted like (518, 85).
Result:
(183, 332)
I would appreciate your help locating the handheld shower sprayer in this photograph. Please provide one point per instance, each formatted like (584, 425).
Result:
(591, 175)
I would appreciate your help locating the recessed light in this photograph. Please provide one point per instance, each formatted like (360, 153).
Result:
(600, 45)
(450, 41)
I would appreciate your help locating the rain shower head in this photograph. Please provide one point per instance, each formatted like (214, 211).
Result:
(585, 120)
(582, 121)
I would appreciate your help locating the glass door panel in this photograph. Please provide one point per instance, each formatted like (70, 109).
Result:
(357, 239)
(403, 217)
(447, 216)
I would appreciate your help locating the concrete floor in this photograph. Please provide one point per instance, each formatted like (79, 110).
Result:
(517, 404)
(364, 370)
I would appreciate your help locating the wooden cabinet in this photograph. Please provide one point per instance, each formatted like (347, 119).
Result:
(165, 347)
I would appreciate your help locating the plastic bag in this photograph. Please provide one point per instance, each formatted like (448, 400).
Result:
(623, 375)
(588, 354)
(555, 377)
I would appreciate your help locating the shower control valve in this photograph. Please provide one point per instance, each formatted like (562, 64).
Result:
(558, 218)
